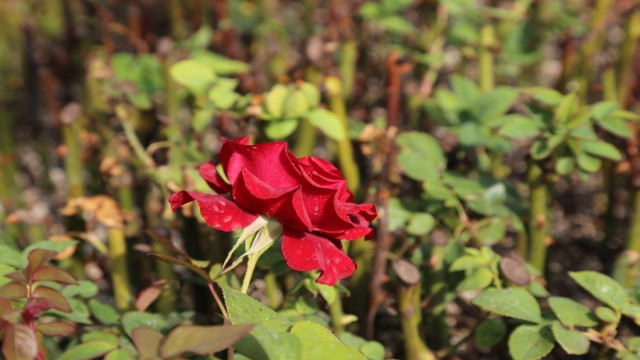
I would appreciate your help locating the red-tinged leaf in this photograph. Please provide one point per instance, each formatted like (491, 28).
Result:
(33, 309)
(56, 328)
(6, 311)
(50, 273)
(149, 295)
(202, 340)
(19, 343)
(13, 290)
(21, 276)
(38, 257)
(172, 260)
(52, 297)
(147, 342)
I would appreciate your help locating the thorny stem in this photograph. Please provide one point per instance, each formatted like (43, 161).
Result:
(119, 268)
(348, 59)
(485, 58)
(271, 288)
(73, 158)
(395, 68)
(538, 218)
(335, 311)
(410, 318)
(345, 149)
(218, 301)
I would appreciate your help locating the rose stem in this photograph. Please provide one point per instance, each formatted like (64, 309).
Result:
(609, 181)
(486, 80)
(119, 269)
(73, 157)
(593, 41)
(306, 132)
(336, 313)
(345, 149)
(395, 69)
(166, 302)
(271, 288)
(538, 217)
(628, 264)
(251, 266)
(410, 311)
(348, 58)
(177, 21)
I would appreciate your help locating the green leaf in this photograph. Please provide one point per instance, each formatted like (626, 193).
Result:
(512, 302)
(86, 351)
(601, 287)
(572, 313)
(328, 122)
(564, 165)
(491, 230)
(312, 94)
(470, 134)
(545, 95)
(201, 340)
(479, 279)
(120, 354)
(398, 215)
(420, 224)
(84, 288)
(270, 339)
(295, 105)
(468, 262)
(100, 336)
(542, 148)
(106, 314)
(220, 64)
(136, 319)
(605, 314)
(602, 110)
(602, 149)
(274, 100)
(588, 163)
(465, 90)
(373, 350)
(519, 126)
(396, 25)
(490, 332)
(530, 342)
(280, 129)
(421, 156)
(320, 344)
(572, 341)
(244, 309)
(192, 74)
(12, 257)
(223, 93)
(567, 108)
(616, 126)
(495, 102)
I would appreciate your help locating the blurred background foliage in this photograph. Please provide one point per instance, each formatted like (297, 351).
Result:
(498, 140)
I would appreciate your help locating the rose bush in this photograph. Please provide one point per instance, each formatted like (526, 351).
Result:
(308, 196)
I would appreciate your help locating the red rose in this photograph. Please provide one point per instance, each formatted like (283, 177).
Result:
(308, 196)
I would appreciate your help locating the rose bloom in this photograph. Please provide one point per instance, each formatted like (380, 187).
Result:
(308, 196)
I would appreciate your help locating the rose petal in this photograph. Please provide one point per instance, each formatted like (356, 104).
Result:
(210, 174)
(218, 211)
(285, 205)
(304, 251)
(270, 162)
